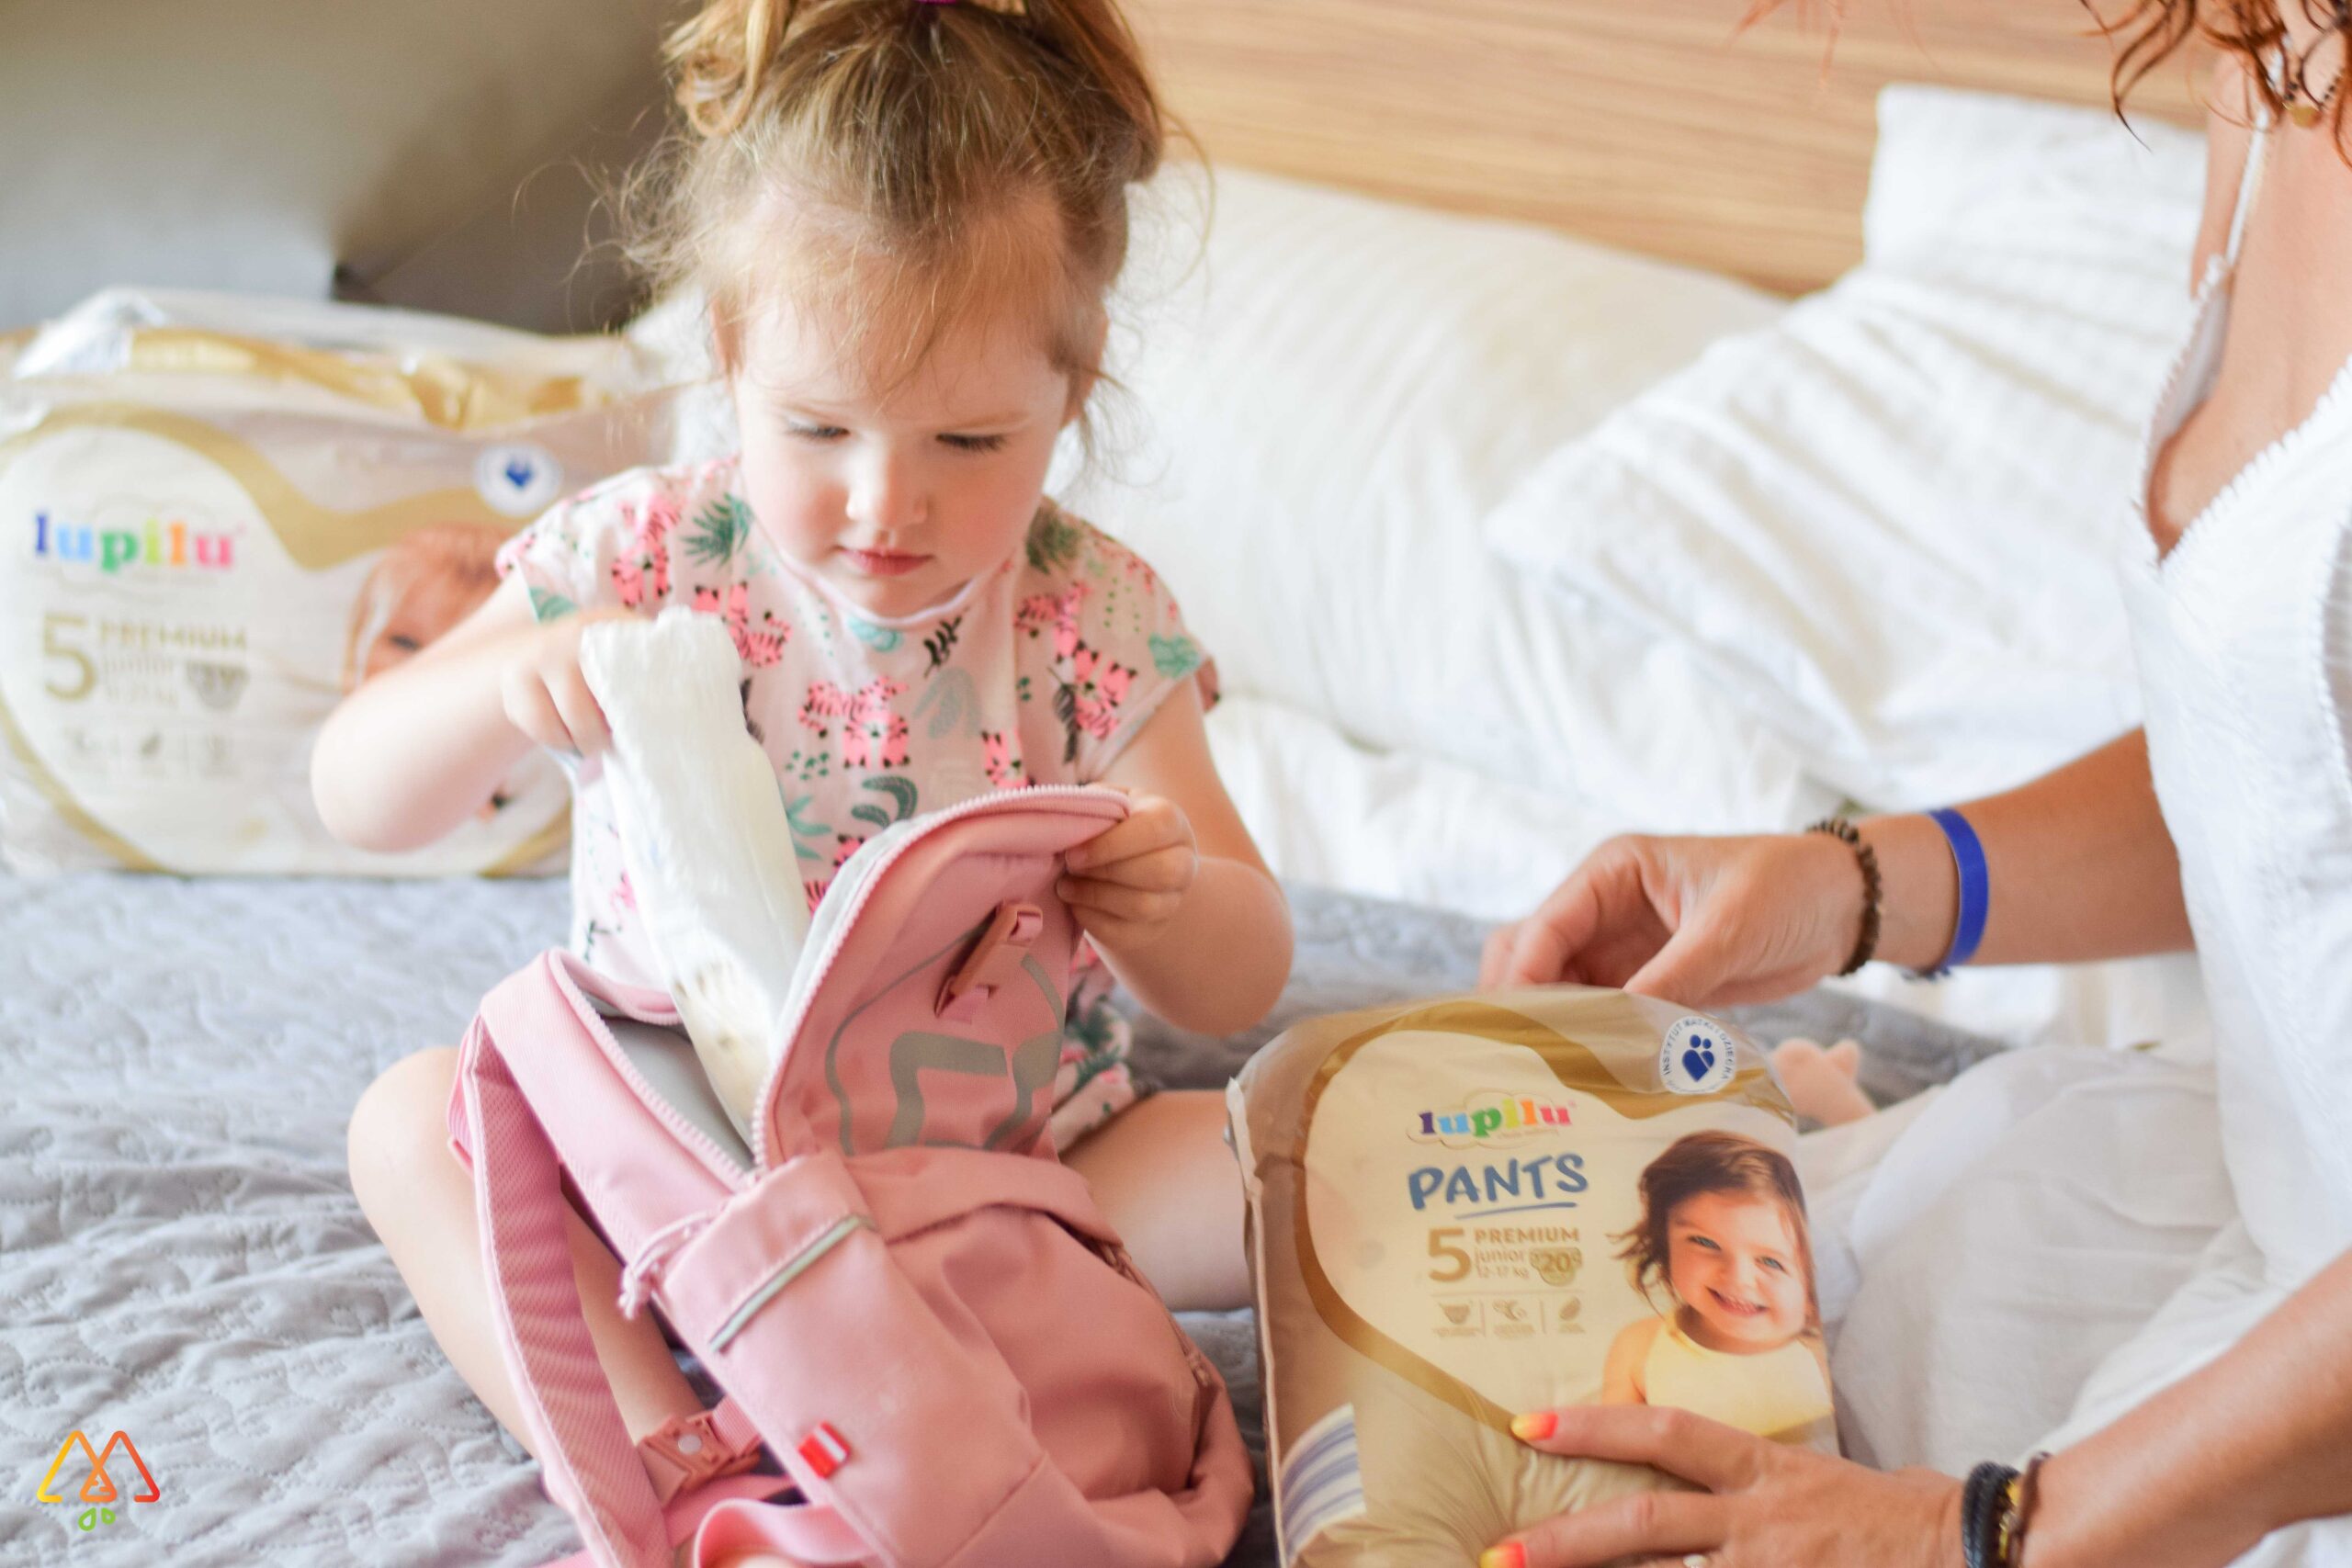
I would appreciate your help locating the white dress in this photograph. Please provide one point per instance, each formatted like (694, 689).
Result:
(2021, 1257)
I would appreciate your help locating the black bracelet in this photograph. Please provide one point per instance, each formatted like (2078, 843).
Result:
(1982, 1500)
(1872, 890)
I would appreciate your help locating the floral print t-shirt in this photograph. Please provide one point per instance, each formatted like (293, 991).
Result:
(1040, 672)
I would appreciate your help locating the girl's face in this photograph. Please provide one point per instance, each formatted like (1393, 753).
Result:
(1732, 1258)
(897, 498)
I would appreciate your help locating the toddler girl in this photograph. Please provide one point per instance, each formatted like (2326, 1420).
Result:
(1723, 1224)
(905, 217)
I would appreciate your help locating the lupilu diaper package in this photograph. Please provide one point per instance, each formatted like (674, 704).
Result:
(217, 516)
(1470, 1207)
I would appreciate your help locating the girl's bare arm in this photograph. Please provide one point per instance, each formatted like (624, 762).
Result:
(1220, 962)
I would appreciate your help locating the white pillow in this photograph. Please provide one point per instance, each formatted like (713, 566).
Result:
(1884, 523)
(1329, 398)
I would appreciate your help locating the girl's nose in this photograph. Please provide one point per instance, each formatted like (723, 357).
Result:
(887, 496)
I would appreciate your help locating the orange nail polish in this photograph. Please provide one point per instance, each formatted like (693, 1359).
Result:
(1534, 1428)
(1510, 1555)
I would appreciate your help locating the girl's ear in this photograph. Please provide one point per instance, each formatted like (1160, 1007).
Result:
(1081, 388)
(722, 349)
(725, 324)
(1082, 385)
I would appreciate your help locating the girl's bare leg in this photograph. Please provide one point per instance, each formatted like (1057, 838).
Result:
(1167, 1183)
(420, 1201)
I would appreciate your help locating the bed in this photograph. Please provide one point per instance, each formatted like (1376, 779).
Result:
(180, 1254)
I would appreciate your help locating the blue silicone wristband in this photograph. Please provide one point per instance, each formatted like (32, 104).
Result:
(1975, 889)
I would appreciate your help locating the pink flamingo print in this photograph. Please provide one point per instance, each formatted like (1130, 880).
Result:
(758, 649)
(645, 572)
(1058, 611)
(872, 736)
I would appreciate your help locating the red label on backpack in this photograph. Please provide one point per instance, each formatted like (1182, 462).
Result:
(823, 1451)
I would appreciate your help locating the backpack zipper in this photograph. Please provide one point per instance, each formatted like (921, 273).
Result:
(737, 1181)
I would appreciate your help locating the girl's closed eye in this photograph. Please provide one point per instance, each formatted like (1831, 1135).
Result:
(816, 432)
(975, 443)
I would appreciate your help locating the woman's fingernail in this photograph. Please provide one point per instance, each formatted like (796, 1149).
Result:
(1510, 1555)
(1535, 1427)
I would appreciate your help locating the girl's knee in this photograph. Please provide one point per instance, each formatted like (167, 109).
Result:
(401, 1118)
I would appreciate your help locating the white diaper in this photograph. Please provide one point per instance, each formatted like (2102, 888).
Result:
(706, 839)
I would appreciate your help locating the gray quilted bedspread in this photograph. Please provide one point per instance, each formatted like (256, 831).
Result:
(181, 1256)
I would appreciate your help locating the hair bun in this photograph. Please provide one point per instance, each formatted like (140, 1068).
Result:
(721, 54)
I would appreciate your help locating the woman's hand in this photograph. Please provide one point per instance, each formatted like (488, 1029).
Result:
(1765, 1504)
(545, 695)
(1704, 921)
(1135, 875)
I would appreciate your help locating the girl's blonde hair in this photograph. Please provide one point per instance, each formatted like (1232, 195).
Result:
(1699, 1163)
(897, 164)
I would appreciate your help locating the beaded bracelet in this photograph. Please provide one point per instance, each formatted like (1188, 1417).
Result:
(1981, 1510)
(1872, 890)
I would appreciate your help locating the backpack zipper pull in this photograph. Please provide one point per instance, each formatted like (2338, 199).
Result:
(638, 1279)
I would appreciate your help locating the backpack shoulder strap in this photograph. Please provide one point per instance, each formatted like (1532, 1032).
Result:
(527, 1257)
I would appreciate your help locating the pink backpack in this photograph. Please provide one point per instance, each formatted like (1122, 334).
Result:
(908, 1298)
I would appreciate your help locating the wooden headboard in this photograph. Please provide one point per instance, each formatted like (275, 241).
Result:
(1656, 124)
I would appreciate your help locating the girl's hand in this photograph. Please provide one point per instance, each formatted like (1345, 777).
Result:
(1135, 875)
(546, 695)
(1703, 922)
(1765, 1504)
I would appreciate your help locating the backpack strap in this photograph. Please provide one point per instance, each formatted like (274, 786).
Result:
(566, 1397)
